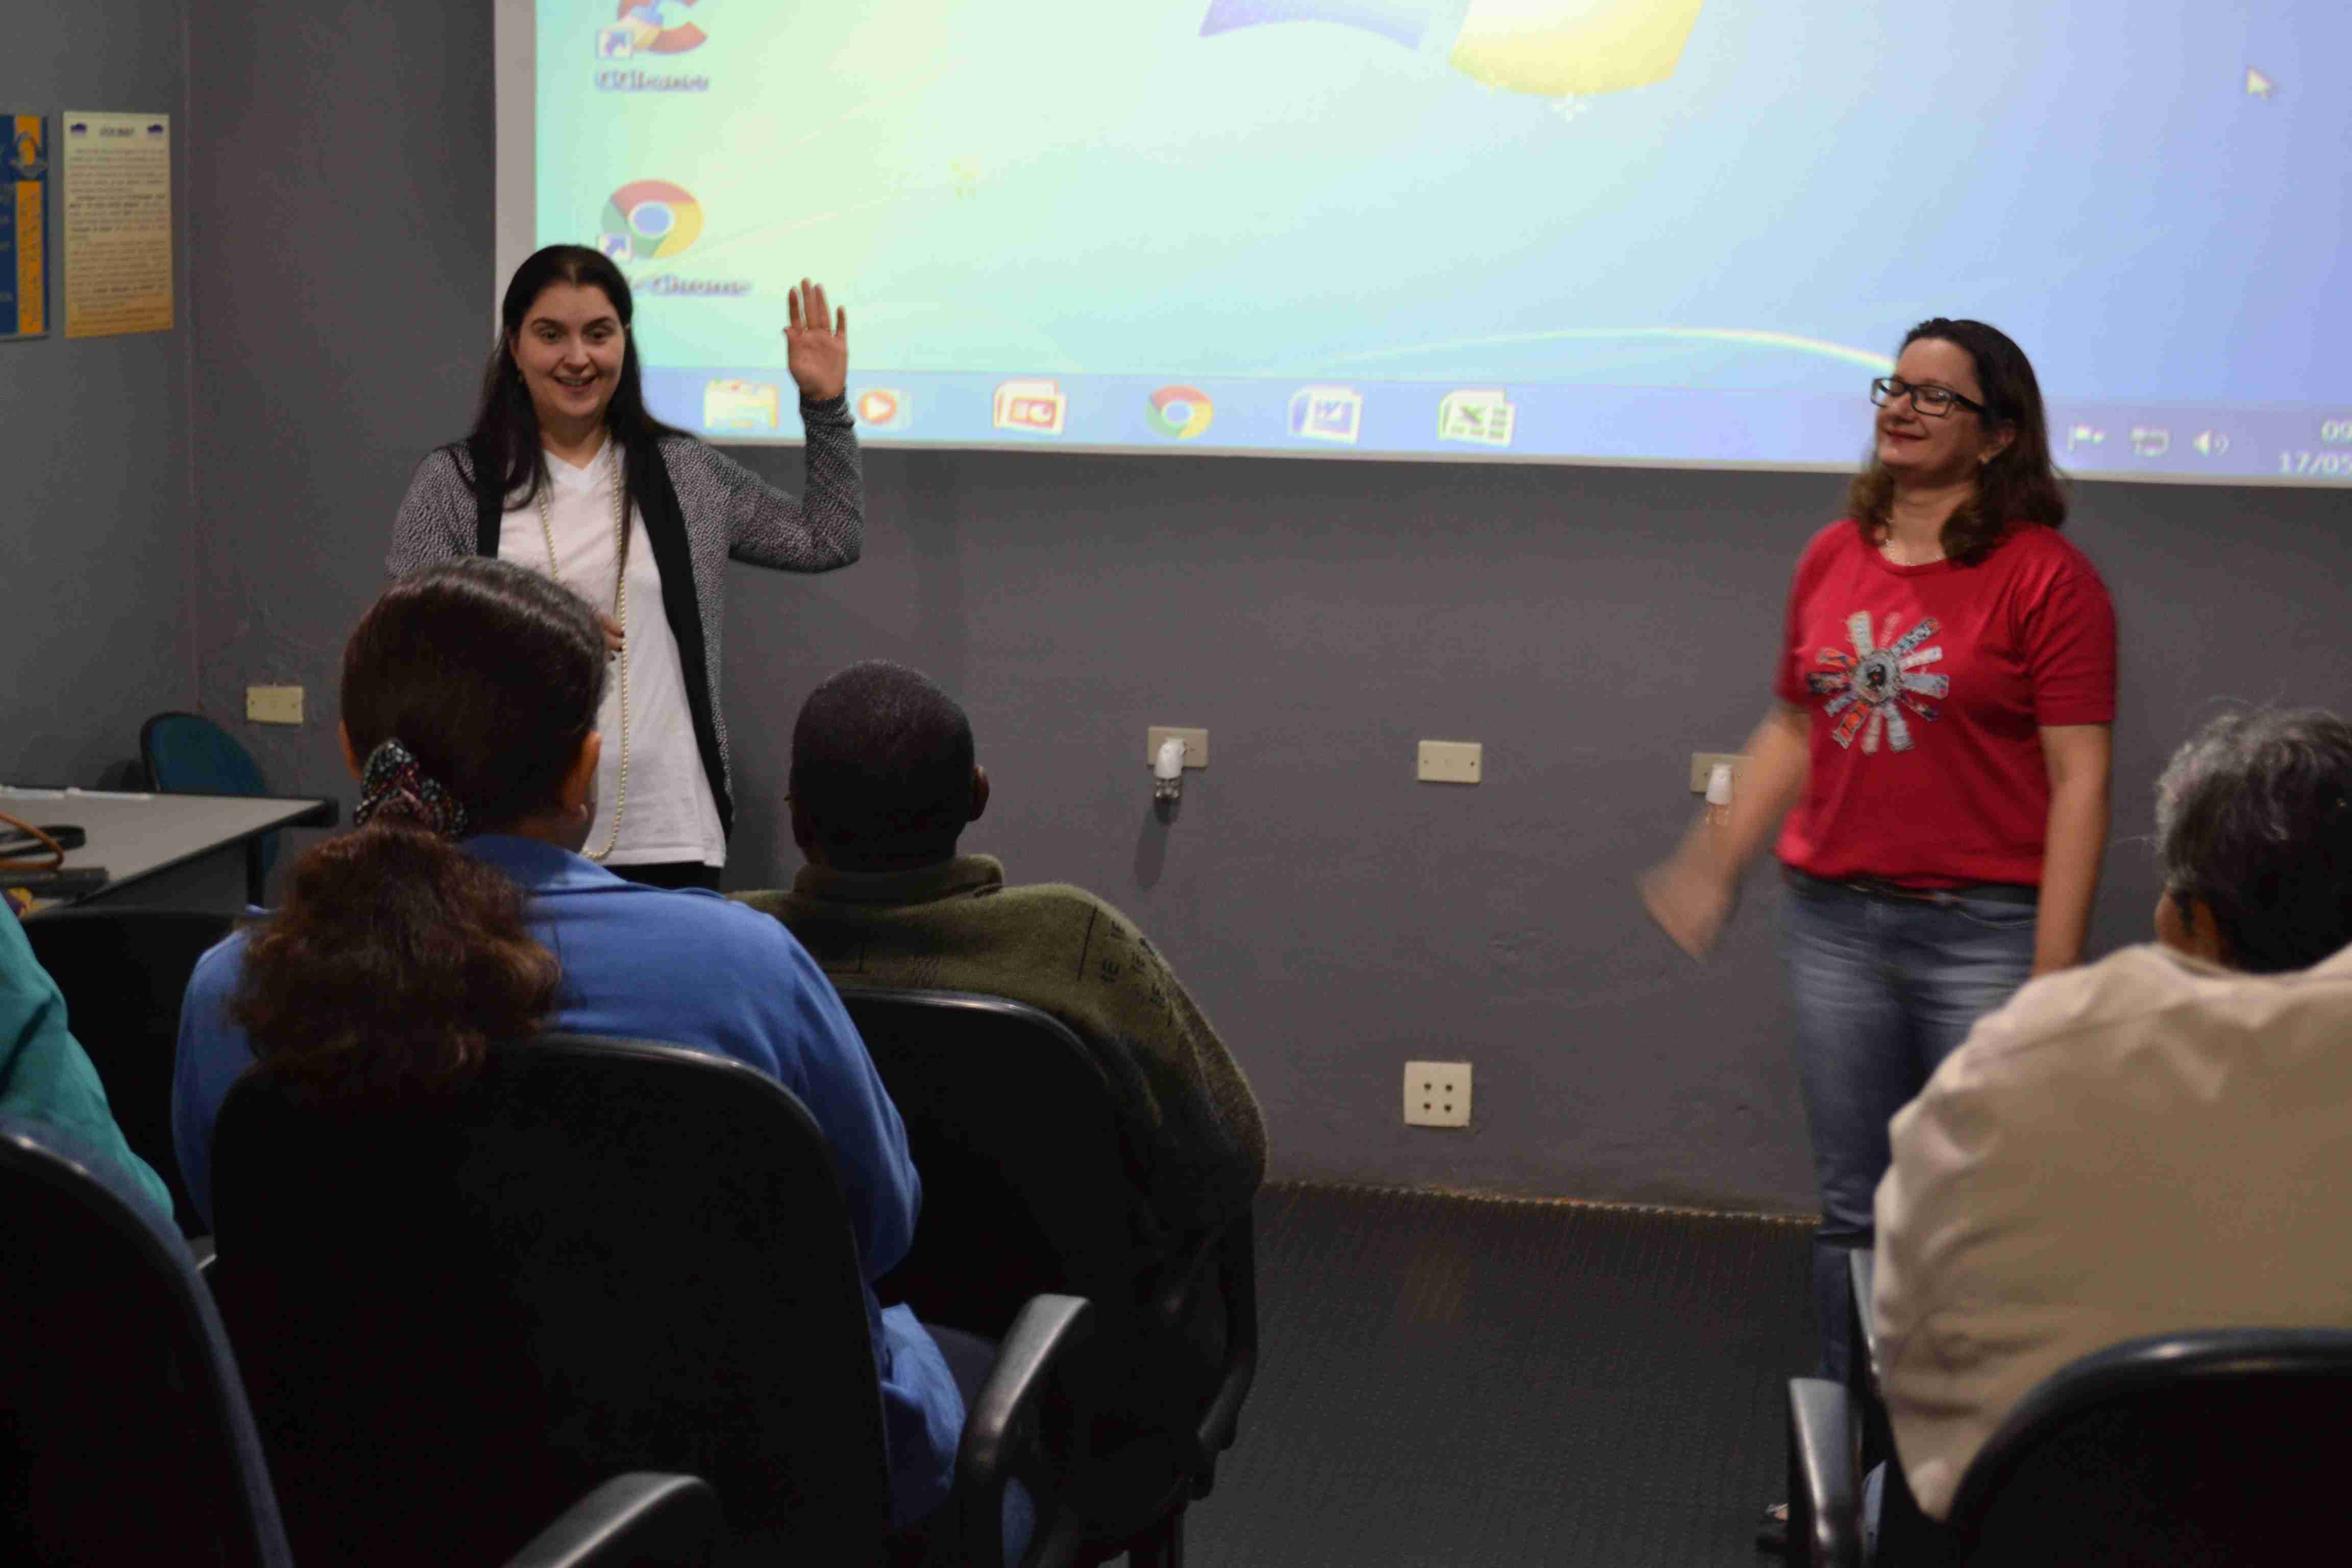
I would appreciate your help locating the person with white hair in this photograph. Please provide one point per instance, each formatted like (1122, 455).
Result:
(2151, 1143)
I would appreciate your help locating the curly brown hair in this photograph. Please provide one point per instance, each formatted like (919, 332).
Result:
(398, 957)
(397, 960)
(2021, 483)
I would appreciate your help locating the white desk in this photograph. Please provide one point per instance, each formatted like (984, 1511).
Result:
(138, 836)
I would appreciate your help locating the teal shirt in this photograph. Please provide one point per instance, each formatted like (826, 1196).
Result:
(44, 1075)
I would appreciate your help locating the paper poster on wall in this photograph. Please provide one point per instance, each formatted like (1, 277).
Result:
(118, 223)
(24, 227)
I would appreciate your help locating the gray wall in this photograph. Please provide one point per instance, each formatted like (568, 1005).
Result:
(1591, 626)
(96, 526)
(343, 283)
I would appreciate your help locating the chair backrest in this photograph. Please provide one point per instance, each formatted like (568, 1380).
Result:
(2216, 1446)
(187, 753)
(593, 1257)
(124, 973)
(124, 1435)
(1026, 1184)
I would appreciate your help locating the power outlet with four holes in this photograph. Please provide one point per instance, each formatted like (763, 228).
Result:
(1437, 1094)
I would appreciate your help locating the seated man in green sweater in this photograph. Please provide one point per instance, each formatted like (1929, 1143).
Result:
(883, 784)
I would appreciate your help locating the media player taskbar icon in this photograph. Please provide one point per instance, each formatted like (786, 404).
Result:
(882, 408)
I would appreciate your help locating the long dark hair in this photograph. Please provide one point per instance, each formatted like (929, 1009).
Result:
(506, 424)
(2019, 485)
(396, 956)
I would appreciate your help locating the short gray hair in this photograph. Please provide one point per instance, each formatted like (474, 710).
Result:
(2254, 817)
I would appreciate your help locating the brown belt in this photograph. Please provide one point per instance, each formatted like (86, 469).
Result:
(1873, 887)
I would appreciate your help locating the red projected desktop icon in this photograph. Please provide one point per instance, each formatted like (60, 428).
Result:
(1036, 406)
(642, 28)
(883, 407)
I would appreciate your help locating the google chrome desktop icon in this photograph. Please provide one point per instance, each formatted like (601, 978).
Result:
(1182, 412)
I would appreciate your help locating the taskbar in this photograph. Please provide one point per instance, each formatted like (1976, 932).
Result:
(1532, 422)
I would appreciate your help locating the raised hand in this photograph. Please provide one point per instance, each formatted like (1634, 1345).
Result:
(818, 344)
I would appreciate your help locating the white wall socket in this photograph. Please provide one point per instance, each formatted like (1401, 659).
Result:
(1702, 766)
(1196, 744)
(1437, 1094)
(1450, 761)
(273, 704)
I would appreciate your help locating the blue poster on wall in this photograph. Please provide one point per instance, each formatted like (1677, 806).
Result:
(24, 227)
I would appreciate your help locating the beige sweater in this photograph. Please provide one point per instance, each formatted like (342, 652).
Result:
(2148, 1144)
(956, 926)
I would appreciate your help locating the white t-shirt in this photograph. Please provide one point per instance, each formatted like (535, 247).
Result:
(671, 814)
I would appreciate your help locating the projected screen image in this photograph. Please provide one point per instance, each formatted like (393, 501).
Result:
(1642, 231)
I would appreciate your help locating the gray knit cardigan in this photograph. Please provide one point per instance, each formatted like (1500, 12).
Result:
(711, 509)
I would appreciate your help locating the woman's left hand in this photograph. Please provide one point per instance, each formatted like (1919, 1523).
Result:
(818, 354)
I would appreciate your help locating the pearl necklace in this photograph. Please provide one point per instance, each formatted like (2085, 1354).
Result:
(620, 616)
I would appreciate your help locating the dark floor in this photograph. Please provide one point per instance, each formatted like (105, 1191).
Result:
(1469, 1381)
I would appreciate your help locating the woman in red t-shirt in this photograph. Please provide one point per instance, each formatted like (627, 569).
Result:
(1946, 682)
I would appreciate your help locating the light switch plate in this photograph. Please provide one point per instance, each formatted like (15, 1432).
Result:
(1450, 761)
(1437, 1094)
(1702, 766)
(1196, 744)
(273, 704)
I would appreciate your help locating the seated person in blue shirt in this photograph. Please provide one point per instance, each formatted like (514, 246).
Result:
(461, 912)
(44, 1075)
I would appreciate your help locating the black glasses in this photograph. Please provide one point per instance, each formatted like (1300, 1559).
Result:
(1930, 400)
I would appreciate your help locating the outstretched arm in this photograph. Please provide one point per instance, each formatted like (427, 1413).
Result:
(1691, 894)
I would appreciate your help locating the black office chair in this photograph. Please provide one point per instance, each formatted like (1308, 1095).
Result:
(593, 1255)
(1029, 1187)
(187, 753)
(124, 972)
(124, 1432)
(2212, 1447)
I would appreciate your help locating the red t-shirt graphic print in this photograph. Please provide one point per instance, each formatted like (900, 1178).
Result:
(1869, 688)
(1928, 688)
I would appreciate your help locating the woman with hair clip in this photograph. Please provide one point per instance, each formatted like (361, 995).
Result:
(567, 474)
(1945, 683)
(470, 700)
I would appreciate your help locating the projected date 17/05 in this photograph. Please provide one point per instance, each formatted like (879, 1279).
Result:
(2316, 465)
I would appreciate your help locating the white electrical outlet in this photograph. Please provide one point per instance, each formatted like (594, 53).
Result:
(273, 704)
(1196, 744)
(1437, 1094)
(1704, 763)
(1450, 761)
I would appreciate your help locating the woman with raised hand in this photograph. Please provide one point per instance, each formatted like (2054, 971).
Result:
(567, 474)
(469, 700)
(1945, 683)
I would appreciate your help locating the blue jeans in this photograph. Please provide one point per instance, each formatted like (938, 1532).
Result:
(1884, 988)
(971, 1359)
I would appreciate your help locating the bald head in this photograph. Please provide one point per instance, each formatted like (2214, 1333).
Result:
(882, 770)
